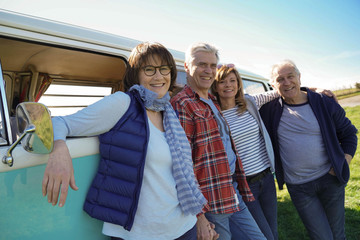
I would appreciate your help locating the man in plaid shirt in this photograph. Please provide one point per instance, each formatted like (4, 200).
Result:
(217, 166)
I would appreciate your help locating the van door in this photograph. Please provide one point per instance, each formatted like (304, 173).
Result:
(25, 213)
(27, 68)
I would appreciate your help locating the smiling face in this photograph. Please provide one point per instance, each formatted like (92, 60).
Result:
(228, 87)
(157, 83)
(287, 83)
(201, 72)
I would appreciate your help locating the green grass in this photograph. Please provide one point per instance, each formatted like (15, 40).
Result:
(345, 93)
(290, 225)
(348, 95)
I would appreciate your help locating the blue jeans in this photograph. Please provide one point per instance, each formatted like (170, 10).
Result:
(264, 208)
(238, 226)
(189, 235)
(320, 204)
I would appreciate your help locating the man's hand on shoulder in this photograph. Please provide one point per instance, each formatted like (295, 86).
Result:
(326, 92)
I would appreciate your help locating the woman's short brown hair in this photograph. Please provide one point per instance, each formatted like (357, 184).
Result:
(140, 55)
(221, 74)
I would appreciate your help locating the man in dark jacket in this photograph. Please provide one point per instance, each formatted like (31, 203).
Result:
(313, 143)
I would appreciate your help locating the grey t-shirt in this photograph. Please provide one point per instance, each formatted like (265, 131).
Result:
(302, 149)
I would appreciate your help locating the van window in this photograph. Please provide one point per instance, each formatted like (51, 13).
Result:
(3, 140)
(3, 108)
(181, 78)
(252, 87)
(67, 99)
(52, 75)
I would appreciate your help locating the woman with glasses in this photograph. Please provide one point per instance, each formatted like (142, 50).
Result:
(145, 186)
(252, 143)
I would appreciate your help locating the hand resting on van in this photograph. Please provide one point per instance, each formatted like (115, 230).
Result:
(59, 174)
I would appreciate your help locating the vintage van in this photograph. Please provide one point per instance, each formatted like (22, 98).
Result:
(67, 68)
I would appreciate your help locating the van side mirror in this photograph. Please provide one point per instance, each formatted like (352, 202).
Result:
(35, 126)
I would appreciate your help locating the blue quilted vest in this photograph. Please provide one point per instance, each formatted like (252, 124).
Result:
(114, 193)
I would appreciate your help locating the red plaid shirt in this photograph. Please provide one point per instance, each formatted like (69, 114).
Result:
(211, 165)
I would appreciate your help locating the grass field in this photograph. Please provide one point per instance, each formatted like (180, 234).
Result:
(290, 225)
(345, 93)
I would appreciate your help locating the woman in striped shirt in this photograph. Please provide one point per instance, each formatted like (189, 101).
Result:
(252, 143)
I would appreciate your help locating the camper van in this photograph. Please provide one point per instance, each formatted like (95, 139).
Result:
(66, 68)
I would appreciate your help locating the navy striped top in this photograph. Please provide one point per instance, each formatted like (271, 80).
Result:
(248, 139)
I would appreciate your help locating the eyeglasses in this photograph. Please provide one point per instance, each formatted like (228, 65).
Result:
(151, 70)
(230, 65)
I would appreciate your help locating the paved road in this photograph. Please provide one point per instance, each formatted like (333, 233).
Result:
(350, 102)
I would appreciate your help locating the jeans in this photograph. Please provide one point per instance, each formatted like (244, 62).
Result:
(264, 208)
(189, 235)
(320, 204)
(237, 226)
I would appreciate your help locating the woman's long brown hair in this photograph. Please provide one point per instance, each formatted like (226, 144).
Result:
(221, 74)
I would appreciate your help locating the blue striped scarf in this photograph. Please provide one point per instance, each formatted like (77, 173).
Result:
(189, 195)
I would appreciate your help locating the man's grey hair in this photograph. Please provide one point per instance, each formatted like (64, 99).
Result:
(200, 47)
(285, 62)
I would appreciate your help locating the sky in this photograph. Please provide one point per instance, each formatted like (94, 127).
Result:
(321, 36)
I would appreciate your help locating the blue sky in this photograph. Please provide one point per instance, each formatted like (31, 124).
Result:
(322, 36)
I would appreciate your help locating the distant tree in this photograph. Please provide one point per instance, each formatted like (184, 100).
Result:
(357, 85)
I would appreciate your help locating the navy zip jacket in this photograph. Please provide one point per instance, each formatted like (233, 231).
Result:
(114, 193)
(338, 134)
